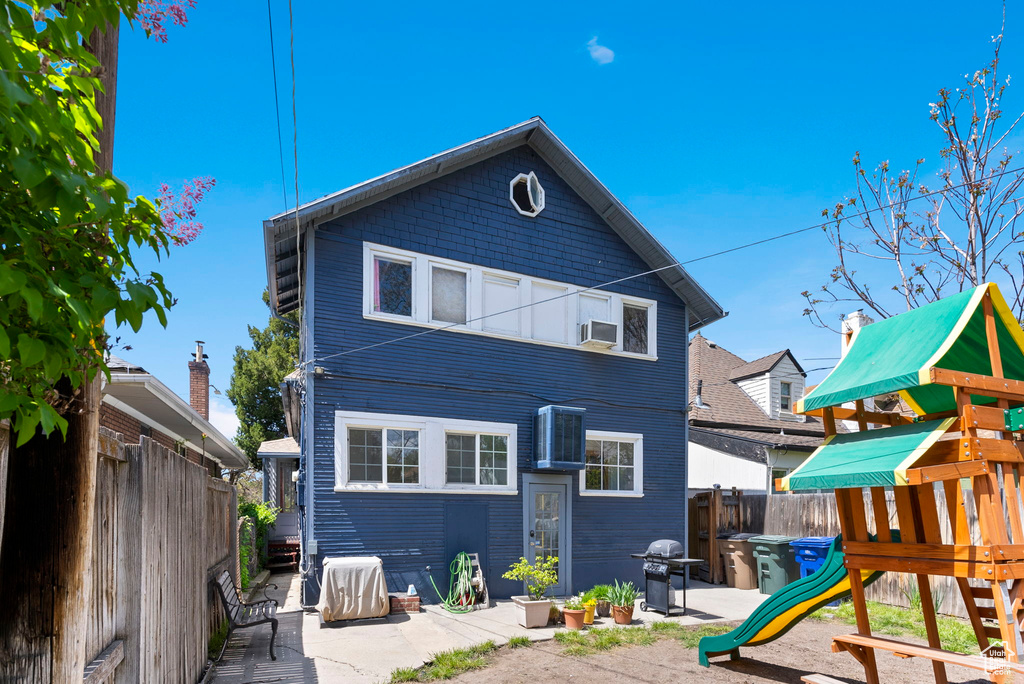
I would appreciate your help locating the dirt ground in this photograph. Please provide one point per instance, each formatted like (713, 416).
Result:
(805, 649)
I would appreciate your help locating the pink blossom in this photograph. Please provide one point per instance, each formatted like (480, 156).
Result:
(153, 15)
(178, 211)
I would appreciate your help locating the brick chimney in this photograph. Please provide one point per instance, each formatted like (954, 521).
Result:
(199, 382)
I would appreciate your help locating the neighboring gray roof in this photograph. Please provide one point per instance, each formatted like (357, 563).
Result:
(763, 365)
(276, 448)
(116, 363)
(280, 239)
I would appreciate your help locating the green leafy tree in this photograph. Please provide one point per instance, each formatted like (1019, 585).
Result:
(256, 382)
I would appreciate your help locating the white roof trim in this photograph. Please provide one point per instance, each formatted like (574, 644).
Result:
(183, 409)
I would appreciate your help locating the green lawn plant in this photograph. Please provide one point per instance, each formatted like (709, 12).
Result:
(539, 576)
(601, 592)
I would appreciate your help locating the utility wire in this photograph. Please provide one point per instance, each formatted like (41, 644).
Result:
(295, 145)
(277, 106)
(748, 245)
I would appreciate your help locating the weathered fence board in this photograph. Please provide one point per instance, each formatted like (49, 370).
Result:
(163, 527)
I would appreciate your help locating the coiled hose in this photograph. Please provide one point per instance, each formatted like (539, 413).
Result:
(461, 595)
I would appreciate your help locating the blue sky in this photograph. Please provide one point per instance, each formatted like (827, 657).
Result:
(716, 125)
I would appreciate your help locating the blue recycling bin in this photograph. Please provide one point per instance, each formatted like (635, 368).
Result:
(811, 553)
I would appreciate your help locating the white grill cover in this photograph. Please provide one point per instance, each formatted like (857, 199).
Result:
(353, 588)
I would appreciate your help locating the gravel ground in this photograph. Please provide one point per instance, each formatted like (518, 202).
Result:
(805, 649)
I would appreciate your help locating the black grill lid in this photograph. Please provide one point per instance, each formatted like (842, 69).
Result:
(665, 548)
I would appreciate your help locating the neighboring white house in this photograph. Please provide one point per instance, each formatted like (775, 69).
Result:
(743, 432)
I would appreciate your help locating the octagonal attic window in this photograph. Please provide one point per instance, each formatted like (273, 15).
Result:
(526, 194)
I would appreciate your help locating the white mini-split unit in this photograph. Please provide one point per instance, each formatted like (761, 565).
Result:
(598, 334)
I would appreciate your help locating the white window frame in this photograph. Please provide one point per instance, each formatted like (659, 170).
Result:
(422, 310)
(638, 464)
(783, 383)
(528, 177)
(433, 462)
(433, 263)
(476, 470)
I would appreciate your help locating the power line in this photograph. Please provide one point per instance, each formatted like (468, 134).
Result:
(277, 106)
(748, 245)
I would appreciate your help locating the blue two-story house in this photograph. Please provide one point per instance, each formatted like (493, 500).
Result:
(445, 306)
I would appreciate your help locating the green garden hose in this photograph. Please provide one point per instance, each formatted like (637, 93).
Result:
(460, 589)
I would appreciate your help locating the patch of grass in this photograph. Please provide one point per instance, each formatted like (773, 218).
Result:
(571, 638)
(689, 637)
(577, 650)
(405, 674)
(955, 635)
(606, 639)
(519, 642)
(638, 636)
(217, 640)
(668, 628)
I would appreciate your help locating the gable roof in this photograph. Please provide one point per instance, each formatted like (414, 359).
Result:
(896, 354)
(730, 411)
(763, 365)
(279, 232)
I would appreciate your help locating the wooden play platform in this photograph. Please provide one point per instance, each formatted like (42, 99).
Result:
(959, 364)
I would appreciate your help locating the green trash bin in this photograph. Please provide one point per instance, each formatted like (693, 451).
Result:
(776, 562)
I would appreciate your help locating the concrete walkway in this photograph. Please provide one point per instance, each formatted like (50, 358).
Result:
(366, 652)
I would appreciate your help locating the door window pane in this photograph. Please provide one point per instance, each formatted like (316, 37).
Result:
(545, 524)
(448, 296)
(460, 457)
(364, 455)
(403, 456)
(634, 329)
(392, 286)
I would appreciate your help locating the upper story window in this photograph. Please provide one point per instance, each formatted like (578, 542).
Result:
(385, 452)
(786, 397)
(423, 290)
(527, 194)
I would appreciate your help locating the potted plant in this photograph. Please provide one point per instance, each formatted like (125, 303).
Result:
(574, 612)
(533, 609)
(623, 598)
(590, 605)
(600, 594)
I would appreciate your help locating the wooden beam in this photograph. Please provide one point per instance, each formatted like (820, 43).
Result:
(924, 500)
(862, 422)
(828, 420)
(946, 471)
(873, 417)
(992, 337)
(845, 502)
(936, 551)
(881, 511)
(933, 566)
(915, 651)
(983, 385)
(100, 669)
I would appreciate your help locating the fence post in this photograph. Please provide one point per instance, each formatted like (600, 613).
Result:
(129, 563)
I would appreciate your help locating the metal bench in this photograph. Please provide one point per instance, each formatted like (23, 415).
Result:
(241, 615)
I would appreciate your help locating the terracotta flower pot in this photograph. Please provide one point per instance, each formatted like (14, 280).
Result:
(623, 614)
(573, 618)
(604, 608)
(588, 619)
(532, 614)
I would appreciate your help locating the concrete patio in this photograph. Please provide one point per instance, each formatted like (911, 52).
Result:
(365, 652)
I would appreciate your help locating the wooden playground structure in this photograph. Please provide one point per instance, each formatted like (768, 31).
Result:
(965, 435)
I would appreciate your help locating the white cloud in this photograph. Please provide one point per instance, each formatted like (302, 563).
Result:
(222, 416)
(599, 53)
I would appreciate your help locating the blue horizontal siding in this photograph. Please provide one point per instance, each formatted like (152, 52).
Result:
(467, 216)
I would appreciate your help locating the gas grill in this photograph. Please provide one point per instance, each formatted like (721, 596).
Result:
(663, 559)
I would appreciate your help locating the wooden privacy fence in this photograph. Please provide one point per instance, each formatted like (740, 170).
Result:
(710, 514)
(815, 515)
(163, 528)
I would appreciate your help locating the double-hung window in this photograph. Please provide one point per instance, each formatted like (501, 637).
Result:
(386, 452)
(786, 397)
(392, 286)
(476, 459)
(613, 464)
(635, 328)
(383, 455)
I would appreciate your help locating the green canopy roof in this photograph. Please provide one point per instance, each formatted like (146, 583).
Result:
(873, 458)
(895, 354)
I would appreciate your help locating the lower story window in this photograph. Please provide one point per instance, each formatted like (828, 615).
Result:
(390, 452)
(476, 459)
(613, 464)
(366, 453)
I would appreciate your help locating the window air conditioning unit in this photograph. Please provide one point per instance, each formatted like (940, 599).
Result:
(560, 438)
(598, 334)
